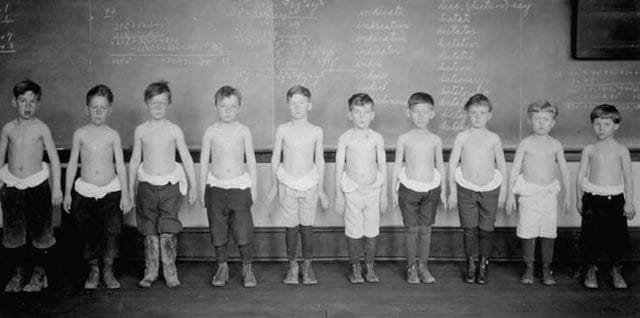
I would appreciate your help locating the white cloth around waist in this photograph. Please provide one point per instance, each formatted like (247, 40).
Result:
(29, 182)
(524, 188)
(348, 185)
(495, 182)
(176, 176)
(306, 182)
(241, 182)
(419, 186)
(90, 190)
(600, 189)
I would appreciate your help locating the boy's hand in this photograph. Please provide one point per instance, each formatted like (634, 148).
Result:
(394, 198)
(66, 204)
(324, 200)
(629, 210)
(56, 197)
(254, 195)
(443, 200)
(453, 201)
(193, 196)
(511, 204)
(579, 206)
(202, 197)
(340, 203)
(501, 199)
(384, 202)
(271, 195)
(567, 205)
(125, 204)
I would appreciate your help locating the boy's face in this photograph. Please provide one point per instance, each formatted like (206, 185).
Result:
(98, 110)
(362, 115)
(604, 127)
(542, 122)
(158, 106)
(421, 114)
(299, 106)
(479, 115)
(26, 105)
(228, 107)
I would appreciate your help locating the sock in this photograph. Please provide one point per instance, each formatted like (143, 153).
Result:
(245, 253)
(528, 250)
(411, 237)
(307, 242)
(291, 240)
(221, 254)
(369, 249)
(355, 249)
(424, 243)
(486, 242)
(471, 242)
(547, 250)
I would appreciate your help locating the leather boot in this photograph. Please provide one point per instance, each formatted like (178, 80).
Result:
(248, 277)
(108, 277)
(616, 276)
(527, 276)
(151, 260)
(292, 274)
(355, 274)
(483, 270)
(471, 270)
(412, 274)
(168, 251)
(547, 275)
(222, 275)
(371, 276)
(590, 279)
(38, 281)
(425, 275)
(15, 283)
(94, 277)
(308, 276)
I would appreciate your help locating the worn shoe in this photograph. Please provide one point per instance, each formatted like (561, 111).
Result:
(590, 278)
(425, 275)
(355, 274)
(291, 278)
(370, 276)
(412, 275)
(151, 261)
(527, 276)
(616, 276)
(168, 252)
(308, 276)
(109, 278)
(471, 271)
(222, 275)
(547, 275)
(93, 279)
(15, 283)
(483, 271)
(38, 281)
(248, 277)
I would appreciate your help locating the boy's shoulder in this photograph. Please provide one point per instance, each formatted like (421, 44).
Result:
(9, 125)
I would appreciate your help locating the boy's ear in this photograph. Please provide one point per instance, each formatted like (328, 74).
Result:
(407, 113)
(14, 103)
(489, 115)
(433, 114)
(373, 115)
(349, 115)
(86, 110)
(616, 126)
(310, 106)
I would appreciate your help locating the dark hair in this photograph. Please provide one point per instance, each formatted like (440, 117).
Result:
(478, 99)
(298, 89)
(606, 111)
(543, 106)
(157, 88)
(227, 91)
(419, 98)
(359, 99)
(25, 86)
(100, 90)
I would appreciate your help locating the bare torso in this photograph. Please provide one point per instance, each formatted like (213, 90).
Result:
(26, 147)
(361, 156)
(478, 157)
(96, 154)
(419, 155)
(298, 147)
(227, 150)
(158, 147)
(605, 163)
(539, 161)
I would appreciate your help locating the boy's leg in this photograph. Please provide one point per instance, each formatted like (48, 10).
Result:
(39, 278)
(169, 226)
(242, 229)
(371, 231)
(308, 276)
(151, 260)
(291, 238)
(94, 275)
(218, 218)
(147, 221)
(424, 239)
(547, 257)
(488, 207)
(369, 257)
(528, 251)
(88, 219)
(468, 211)
(408, 202)
(15, 259)
(13, 237)
(168, 253)
(38, 216)
(616, 238)
(590, 237)
(354, 246)
(410, 238)
(111, 238)
(354, 231)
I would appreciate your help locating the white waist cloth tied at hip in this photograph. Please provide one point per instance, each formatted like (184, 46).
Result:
(538, 208)
(304, 183)
(348, 185)
(419, 186)
(175, 176)
(29, 182)
(601, 190)
(90, 190)
(495, 182)
(241, 182)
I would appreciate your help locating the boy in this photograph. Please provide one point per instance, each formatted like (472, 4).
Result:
(419, 186)
(161, 184)
(537, 189)
(477, 187)
(362, 183)
(605, 196)
(100, 195)
(26, 196)
(298, 182)
(228, 192)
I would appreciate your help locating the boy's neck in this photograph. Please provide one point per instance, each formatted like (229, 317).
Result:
(297, 121)
(535, 135)
(477, 129)
(158, 121)
(228, 123)
(358, 129)
(421, 129)
(25, 121)
(607, 140)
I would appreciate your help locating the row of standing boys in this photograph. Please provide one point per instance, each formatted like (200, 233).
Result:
(477, 185)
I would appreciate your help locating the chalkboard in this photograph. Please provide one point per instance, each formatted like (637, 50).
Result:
(514, 51)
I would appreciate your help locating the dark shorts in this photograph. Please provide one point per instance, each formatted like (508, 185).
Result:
(229, 210)
(604, 226)
(25, 212)
(478, 209)
(418, 208)
(157, 208)
(100, 224)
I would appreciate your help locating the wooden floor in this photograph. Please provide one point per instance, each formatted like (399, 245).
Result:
(333, 297)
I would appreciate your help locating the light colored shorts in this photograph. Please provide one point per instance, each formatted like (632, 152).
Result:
(362, 208)
(298, 206)
(538, 209)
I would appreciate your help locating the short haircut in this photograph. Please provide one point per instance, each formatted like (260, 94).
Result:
(543, 106)
(606, 111)
(100, 90)
(478, 99)
(27, 85)
(419, 98)
(359, 99)
(157, 88)
(227, 91)
(298, 89)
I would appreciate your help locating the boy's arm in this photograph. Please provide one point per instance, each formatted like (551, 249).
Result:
(629, 210)
(4, 144)
(502, 167)
(56, 192)
(340, 158)
(397, 166)
(564, 175)
(513, 177)
(382, 167)
(250, 156)
(205, 156)
(134, 162)
(319, 161)
(441, 170)
(454, 158)
(72, 168)
(276, 155)
(121, 171)
(187, 162)
(582, 170)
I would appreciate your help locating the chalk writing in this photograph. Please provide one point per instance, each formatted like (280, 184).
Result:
(7, 35)
(608, 85)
